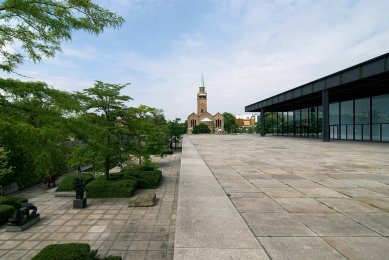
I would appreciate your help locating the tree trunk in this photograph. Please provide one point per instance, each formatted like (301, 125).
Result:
(106, 167)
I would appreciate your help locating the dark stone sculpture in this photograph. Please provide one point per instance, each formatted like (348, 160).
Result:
(79, 186)
(80, 201)
(25, 213)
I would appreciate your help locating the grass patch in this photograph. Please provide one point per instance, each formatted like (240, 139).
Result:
(67, 182)
(103, 188)
(70, 251)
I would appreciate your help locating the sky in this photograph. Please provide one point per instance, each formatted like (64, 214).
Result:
(246, 50)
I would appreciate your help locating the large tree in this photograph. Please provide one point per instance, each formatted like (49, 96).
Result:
(36, 28)
(105, 108)
(175, 130)
(33, 128)
(230, 125)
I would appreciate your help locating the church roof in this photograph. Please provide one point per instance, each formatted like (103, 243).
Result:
(206, 120)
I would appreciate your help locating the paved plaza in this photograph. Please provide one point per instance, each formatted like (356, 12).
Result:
(234, 197)
(299, 198)
(108, 225)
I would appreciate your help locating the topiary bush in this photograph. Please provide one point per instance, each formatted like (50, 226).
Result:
(103, 188)
(6, 212)
(167, 151)
(70, 251)
(67, 182)
(149, 179)
(12, 201)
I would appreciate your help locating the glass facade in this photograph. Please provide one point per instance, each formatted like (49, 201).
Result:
(365, 119)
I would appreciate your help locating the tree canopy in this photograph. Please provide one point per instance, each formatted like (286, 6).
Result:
(37, 27)
(230, 125)
(201, 129)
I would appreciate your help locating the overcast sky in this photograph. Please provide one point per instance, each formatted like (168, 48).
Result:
(246, 50)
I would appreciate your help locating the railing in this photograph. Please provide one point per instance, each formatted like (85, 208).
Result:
(360, 132)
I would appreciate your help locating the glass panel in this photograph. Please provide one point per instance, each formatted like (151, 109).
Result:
(366, 132)
(358, 132)
(334, 113)
(346, 119)
(304, 122)
(312, 122)
(334, 120)
(380, 109)
(385, 132)
(320, 120)
(376, 132)
(290, 123)
(362, 119)
(279, 124)
(380, 117)
(297, 118)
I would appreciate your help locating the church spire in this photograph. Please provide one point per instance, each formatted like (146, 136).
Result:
(202, 80)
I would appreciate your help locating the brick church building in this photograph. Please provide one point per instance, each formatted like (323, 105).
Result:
(215, 123)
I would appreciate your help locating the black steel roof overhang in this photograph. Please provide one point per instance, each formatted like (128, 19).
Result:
(368, 78)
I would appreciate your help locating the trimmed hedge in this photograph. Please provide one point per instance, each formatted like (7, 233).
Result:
(167, 151)
(67, 182)
(149, 179)
(6, 212)
(103, 188)
(12, 201)
(70, 251)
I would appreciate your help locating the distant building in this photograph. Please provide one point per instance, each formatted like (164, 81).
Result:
(215, 123)
(247, 120)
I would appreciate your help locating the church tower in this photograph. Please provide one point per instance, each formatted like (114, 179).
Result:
(201, 99)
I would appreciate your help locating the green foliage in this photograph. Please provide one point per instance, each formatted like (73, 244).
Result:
(175, 131)
(40, 26)
(106, 132)
(6, 212)
(67, 182)
(12, 201)
(201, 129)
(149, 179)
(33, 128)
(66, 252)
(103, 188)
(167, 151)
(230, 125)
(5, 169)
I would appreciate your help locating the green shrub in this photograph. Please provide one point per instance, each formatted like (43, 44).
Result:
(12, 201)
(6, 212)
(149, 179)
(18, 200)
(65, 252)
(131, 169)
(70, 251)
(167, 151)
(103, 188)
(201, 129)
(67, 182)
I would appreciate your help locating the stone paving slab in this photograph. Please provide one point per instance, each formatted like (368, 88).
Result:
(108, 225)
(208, 225)
(333, 197)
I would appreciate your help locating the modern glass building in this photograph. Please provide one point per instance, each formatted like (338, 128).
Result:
(352, 104)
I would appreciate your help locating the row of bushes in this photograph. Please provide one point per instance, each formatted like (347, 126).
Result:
(8, 205)
(119, 185)
(67, 182)
(71, 251)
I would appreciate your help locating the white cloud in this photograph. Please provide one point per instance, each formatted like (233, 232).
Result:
(247, 51)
